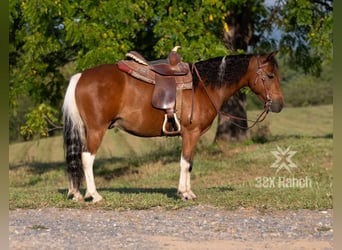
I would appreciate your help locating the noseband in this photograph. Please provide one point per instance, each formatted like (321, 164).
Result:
(259, 73)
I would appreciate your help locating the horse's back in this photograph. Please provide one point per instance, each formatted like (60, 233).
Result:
(101, 81)
(105, 74)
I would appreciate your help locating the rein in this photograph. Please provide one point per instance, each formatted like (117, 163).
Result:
(259, 119)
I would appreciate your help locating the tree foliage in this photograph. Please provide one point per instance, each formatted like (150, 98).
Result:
(52, 39)
(306, 27)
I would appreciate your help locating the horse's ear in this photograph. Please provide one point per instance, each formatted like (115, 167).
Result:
(271, 55)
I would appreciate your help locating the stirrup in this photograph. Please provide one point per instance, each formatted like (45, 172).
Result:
(176, 132)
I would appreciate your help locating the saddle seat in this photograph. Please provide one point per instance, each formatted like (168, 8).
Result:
(168, 77)
(171, 66)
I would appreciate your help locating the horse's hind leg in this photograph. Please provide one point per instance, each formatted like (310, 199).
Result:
(74, 190)
(91, 193)
(94, 138)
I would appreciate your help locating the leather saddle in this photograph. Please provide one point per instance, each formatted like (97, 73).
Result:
(168, 75)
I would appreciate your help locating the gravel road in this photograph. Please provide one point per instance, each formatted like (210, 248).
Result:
(198, 227)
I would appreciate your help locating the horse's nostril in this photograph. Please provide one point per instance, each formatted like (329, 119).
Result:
(276, 106)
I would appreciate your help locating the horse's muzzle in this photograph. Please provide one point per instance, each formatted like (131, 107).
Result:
(276, 106)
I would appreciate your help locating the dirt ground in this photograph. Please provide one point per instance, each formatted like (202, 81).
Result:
(198, 227)
(173, 243)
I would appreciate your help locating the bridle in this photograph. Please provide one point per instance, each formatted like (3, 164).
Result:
(261, 73)
(267, 106)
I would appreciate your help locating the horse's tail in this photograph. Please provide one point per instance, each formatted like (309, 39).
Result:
(73, 133)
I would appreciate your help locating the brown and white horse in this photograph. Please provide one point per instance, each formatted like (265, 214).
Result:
(103, 97)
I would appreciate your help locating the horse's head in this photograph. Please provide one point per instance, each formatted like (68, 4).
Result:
(264, 81)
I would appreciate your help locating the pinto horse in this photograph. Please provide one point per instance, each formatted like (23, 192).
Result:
(104, 97)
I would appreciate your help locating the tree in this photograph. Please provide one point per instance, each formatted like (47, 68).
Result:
(37, 53)
(239, 35)
(50, 37)
(306, 27)
(306, 43)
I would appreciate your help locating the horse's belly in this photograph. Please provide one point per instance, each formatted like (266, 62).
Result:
(141, 124)
(135, 114)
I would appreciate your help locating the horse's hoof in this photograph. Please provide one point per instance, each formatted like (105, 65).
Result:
(75, 196)
(97, 199)
(94, 198)
(187, 196)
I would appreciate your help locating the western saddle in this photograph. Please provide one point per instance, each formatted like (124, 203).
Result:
(169, 76)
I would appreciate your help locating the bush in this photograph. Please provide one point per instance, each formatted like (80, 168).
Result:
(306, 91)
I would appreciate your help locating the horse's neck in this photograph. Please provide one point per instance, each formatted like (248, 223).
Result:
(219, 95)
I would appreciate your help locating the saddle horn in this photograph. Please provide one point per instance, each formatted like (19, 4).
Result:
(174, 58)
(176, 48)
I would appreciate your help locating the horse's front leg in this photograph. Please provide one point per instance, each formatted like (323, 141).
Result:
(184, 186)
(188, 145)
(91, 193)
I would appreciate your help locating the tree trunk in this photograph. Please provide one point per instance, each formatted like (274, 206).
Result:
(238, 36)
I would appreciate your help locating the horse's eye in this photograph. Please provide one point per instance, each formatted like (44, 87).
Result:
(270, 76)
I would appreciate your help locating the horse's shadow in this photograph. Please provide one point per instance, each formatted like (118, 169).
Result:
(169, 192)
(37, 167)
(108, 168)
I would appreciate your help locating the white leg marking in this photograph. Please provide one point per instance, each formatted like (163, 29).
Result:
(87, 161)
(184, 186)
(184, 170)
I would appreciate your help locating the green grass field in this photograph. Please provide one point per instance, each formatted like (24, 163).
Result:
(140, 173)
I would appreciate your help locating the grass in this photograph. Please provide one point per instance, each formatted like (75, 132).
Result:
(140, 173)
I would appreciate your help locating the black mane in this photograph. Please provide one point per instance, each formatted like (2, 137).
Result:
(235, 67)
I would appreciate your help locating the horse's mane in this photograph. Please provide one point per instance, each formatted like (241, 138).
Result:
(235, 67)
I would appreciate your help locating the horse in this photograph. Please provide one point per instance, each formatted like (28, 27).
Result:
(104, 97)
